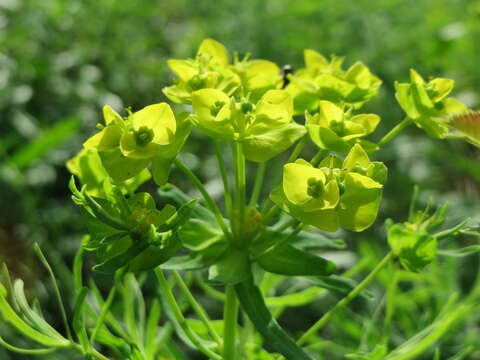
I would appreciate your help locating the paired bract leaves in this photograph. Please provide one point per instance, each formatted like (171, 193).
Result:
(331, 195)
(87, 166)
(211, 69)
(151, 135)
(264, 129)
(428, 104)
(333, 129)
(326, 80)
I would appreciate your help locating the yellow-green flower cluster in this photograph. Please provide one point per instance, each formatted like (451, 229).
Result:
(211, 69)
(333, 129)
(264, 129)
(126, 146)
(326, 80)
(336, 194)
(428, 104)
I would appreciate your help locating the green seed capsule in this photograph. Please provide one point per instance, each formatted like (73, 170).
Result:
(143, 136)
(315, 188)
(246, 107)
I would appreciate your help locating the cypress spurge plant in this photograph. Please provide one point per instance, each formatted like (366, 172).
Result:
(239, 255)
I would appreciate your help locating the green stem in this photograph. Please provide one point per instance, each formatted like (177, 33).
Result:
(178, 315)
(211, 204)
(395, 131)
(389, 307)
(298, 149)
(230, 315)
(257, 187)
(347, 299)
(270, 213)
(223, 173)
(316, 159)
(98, 355)
(209, 290)
(285, 226)
(239, 191)
(199, 310)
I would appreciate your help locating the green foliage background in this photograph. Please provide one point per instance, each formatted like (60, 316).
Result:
(61, 60)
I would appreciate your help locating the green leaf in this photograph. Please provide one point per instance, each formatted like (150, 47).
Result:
(465, 251)
(153, 256)
(12, 318)
(231, 267)
(415, 249)
(197, 234)
(177, 197)
(338, 284)
(78, 323)
(289, 260)
(179, 217)
(34, 319)
(301, 298)
(196, 259)
(308, 240)
(116, 262)
(252, 302)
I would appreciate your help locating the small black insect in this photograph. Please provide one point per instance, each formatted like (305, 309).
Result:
(286, 70)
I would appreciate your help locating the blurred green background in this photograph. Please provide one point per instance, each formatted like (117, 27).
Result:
(61, 60)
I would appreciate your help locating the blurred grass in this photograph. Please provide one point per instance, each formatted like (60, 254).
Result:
(61, 60)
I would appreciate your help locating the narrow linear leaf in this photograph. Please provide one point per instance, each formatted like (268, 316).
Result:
(254, 306)
(288, 260)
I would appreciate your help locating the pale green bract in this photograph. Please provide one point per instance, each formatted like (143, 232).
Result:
(414, 248)
(428, 104)
(87, 166)
(264, 129)
(211, 69)
(326, 80)
(127, 146)
(336, 194)
(333, 129)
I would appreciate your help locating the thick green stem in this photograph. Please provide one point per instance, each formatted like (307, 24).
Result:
(199, 310)
(298, 149)
(240, 196)
(347, 299)
(395, 131)
(230, 314)
(257, 187)
(178, 315)
(210, 202)
(224, 175)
